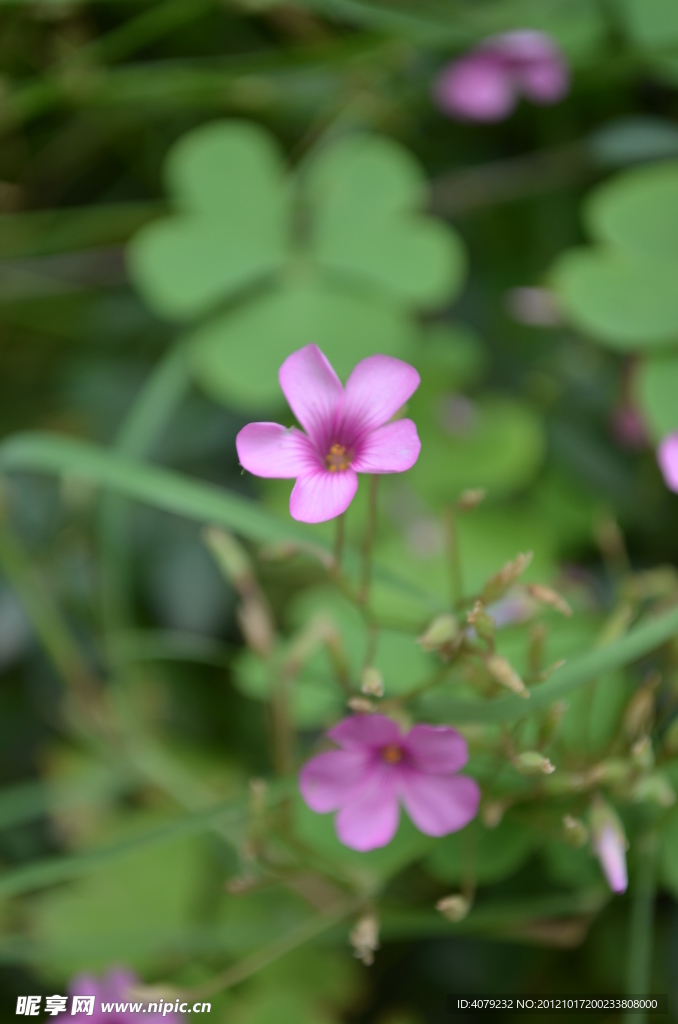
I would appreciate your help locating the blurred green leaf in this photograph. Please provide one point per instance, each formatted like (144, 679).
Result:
(132, 902)
(236, 356)
(228, 184)
(482, 854)
(621, 299)
(656, 389)
(364, 193)
(652, 23)
(496, 443)
(638, 211)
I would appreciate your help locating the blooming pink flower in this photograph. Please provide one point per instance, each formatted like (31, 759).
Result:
(346, 431)
(485, 84)
(377, 768)
(115, 987)
(667, 456)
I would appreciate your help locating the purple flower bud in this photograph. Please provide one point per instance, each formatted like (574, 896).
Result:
(485, 85)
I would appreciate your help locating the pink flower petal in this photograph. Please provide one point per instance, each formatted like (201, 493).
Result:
(667, 456)
(436, 749)
(377, 388)
(267, 449)
(438, 804)
(366, 731)
(313, 391)
(544, 81)
(371, 820)
(322, 495)
(477, 88)
(392, 448)
(331, 780)
(522, 46)
(116, 985)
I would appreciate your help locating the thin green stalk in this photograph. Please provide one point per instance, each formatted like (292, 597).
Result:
(298, 936)
(641, 925)
(368, 544)
(339, 543)
(50, 627)
(157, 402)
(453, 556)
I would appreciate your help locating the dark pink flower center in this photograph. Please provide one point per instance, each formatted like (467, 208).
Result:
(338, 459)
(392, 754)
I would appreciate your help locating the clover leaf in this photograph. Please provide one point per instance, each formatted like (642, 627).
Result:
(263, 261)
(623, 291)
(232, 224)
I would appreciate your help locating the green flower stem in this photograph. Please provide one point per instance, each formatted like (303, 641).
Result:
(641, 925)
(453, 557)
(368, 544)
(157, 402)
(339, 544)
(51, 629)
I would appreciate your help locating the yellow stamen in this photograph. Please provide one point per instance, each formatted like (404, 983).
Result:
(337, 459)
(392, 754)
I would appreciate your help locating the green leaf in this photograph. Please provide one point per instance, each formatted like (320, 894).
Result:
(487, 855)
(656, 388)
(236, 357)
(132, 903)
(623, 300)
(316, 701)
(497, 443)
(364, 176)
(364, 192)
(232, 228)
(638, 211)
(652, 23)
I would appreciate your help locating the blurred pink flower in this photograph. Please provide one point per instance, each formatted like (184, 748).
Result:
(485, 85)
(609, 844)
(667, 456)
(377, 768)
(115, 987)
(346, 431)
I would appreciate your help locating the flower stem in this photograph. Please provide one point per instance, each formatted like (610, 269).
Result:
(639, 963)
(364, 593)
(453, 559)
(339, 544)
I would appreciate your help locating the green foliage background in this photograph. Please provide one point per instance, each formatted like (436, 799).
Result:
(189, 191)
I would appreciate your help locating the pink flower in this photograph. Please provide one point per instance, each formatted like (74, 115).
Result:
(609, 844)
(346, 431)
(667, 456)
(115, 987)
(377, 768)
(485, 85)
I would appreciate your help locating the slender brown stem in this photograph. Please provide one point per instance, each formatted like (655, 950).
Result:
(370, 531)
